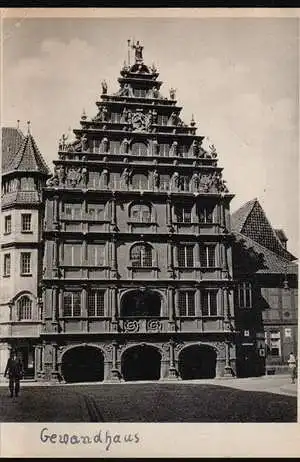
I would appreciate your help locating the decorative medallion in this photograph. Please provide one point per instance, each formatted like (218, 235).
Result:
(154, 325)
(131, 326)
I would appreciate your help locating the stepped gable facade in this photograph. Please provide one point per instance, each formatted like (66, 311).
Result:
(137, 273)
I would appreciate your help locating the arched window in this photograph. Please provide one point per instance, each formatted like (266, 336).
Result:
(24, 307)
(140, 213)
(139, 181)
(139, 149)
(141, 255)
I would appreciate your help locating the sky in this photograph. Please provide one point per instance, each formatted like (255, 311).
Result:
(238, 77)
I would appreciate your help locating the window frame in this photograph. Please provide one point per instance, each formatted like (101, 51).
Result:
(142, 209)
(25, 310)
(24, 229)
(6, 265)
(185, 248)
(185, 211)
(209, 293)
(22, 263)
(73, 306)
(244, 289)
(93, 309)
(207, 248)
(204, 210)
(145, 256)
(7, 220)
(188, 308)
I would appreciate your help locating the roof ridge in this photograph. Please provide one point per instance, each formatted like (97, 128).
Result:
(252, 202)
(262, 247)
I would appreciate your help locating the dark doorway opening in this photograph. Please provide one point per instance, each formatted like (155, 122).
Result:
(141, 362)
(139, 303)
(26, 355)
(248, 363)
(83, 364)
(197, 362)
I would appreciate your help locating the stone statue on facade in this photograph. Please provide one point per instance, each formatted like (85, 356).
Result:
(104, 144)
(73, 176)
(155, 92)
(138, 52)
(125, 145)
(195, 181)
(126, 176)
(176, 180)
(84, 142)
(84, 176)
(104, 87)
(174, 148)
(156, 179)
(173, 119)
(172, 92)
(213, 150)
(61, 175)
(195, 148)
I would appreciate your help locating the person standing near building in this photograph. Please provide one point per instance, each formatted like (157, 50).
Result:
(292, 362)
(14, 369)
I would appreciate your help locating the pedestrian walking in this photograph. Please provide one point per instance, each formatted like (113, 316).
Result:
(14, 369)
(292, 362)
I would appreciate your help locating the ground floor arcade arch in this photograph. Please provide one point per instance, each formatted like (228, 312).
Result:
(197, 362)
(141, 362)
(83, 364)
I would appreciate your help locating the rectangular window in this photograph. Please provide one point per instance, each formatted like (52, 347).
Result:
(182, 151)
(205, 214)
(72, 304)
(96, 303)
(164, 150)
(162, 119)
(114, 147)
(275, 343)
(72, 254)
(245, 295)
(164, 182)
(183, 214)
(140, 92)
(208, 256)
(114, 180)
(186, 301)
(96, 211)
(7, 224)
(185, 255)
(209, 303)
(73, 211)
(184, 184)
(7, 264)
(26, 222)
(25, 263)
(115, 117)
(96, 254)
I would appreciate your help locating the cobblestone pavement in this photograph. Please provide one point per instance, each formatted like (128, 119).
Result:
(223, 400)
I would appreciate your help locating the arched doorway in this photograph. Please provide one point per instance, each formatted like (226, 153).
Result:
(197, 362)
(83, 364)
(141, 362)
(139, 303)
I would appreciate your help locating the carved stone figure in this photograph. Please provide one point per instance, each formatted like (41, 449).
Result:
(84, 142)
(173, 119)
(126, 90)
(138, 52)
(176, 180)
(213, 151)
(84, 175)
(104, 87)
(195, 148)
(124, 117)
(104, 144)
(174, 148)
(61, 175)
(125, 145)
(195, 181)
(73, 176)
(126, 176)
(156, 178)
(155, 92)
(172, 93)
(154, 116)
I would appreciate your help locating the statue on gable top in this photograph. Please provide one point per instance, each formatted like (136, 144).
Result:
(138, 52)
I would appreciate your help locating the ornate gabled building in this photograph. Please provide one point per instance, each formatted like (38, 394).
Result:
(137, 276)
(266, 301)
(24, 173)
(126, 264)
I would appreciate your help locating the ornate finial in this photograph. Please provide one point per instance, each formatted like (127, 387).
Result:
(104, 87)
(18, 124)
(138, 52)
(193, 123)
(28, 127)
(83, 115)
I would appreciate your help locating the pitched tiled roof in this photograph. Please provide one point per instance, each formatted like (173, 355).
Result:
(11, 141)
(270, 262)
(251, 221)
(26, 157)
